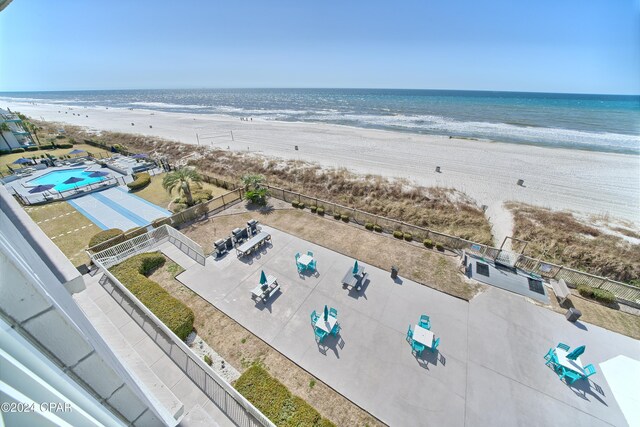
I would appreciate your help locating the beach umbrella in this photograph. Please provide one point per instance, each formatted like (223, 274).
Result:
(73, 180)
(21, 161)
(98, 174)
(41, 188)
(140, 156)
(77, 151)
(326, 313)
(576, 352)
(355, 268)
(263, 278)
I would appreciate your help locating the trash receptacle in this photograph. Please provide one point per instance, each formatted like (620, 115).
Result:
(394, 272)
(573, 314)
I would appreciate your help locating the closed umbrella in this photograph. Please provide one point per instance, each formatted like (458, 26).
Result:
(41, 188)
(577, 352)
(355, 268)
(326, 313)
(263, 278)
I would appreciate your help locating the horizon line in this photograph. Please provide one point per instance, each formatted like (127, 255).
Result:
(321, 88)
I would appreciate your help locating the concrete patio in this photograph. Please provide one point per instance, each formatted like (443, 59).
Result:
(489, 368)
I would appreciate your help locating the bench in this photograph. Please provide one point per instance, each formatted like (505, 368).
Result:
(561, 290)
(272, 286)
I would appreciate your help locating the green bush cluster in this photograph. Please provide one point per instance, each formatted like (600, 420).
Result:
(336, 215)
(368, 225)
(104, 236)
(320, 210)
(344, 217)
(398, 234)
(313, 208)
(428, 243)
(408, 236)
(294, 203)
(275, 401)
(160, 222)
(65, 145)
(32, 148)
(18, 150)
(172, 312)
(440, 247)
(207, 360)
(601, 295)
(300, 205)
(141, 180)
(377, 228)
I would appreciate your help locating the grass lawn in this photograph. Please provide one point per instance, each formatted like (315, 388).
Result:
(8, 159)
(157, 195)
(66, 227)
(242, 349)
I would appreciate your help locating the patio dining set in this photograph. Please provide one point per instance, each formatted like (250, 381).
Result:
(566, 363)
(421, 337)
(325, 324)
(305, 262)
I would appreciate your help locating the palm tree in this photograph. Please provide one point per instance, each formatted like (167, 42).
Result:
(252, 181)
(254, 190)
(181, 178)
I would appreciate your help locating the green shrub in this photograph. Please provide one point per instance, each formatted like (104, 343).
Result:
(3, 152)
(207, 360)
(276, 402)
(377, 228)
(32, 148)
(428, 243)
(344, 217)
(336, 215)
(313, 208)
(201, 196)
(300, 205)
(294, 203)
(601, 295)
(440, 247)
(140, 181)
(64, 145)
(18, 150)
(179, 207)
(320, 210)
(47, 147)
(106, 235)
(172, 312)
(398, 234)
(408, 237)
(160, 222)
(368, 226)
(59, 136)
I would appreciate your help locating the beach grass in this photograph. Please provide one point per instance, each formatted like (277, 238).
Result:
(562, 238)
(66, 227)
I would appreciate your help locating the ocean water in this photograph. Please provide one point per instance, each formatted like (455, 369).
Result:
(589, 122)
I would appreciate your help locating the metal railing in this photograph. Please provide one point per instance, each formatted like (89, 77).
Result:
(235, 406)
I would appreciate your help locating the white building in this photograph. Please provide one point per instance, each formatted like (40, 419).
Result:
(13, 133)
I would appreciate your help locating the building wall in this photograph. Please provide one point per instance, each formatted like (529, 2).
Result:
(35, 301)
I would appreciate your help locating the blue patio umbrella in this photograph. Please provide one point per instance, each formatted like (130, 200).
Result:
(98, 174)
(73, 180)
(576, 352)
(77, 151)
(355, 268)
(263, 278)
(21, 161)
(140, 156)
(41, 188)
(326, 313)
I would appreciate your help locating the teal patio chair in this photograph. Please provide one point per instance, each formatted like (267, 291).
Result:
(563, 346)
(589, 370)
(417, 348)
(435, 345)
(333, 312)
(425, 322)
(310, 254)
(336, 329)
(297, 256)
(312, 265)
(569, 376)
(320, 334)
(551, 358)
(314, 317)
(409, 335)
(300, 267)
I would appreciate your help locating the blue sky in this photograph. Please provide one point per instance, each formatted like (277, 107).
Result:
(576, 46)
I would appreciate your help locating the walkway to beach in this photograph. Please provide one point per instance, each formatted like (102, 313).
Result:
(488, 370)
(117, 208)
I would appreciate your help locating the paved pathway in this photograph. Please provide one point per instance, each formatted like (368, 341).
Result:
(488, 370)
(117, 208)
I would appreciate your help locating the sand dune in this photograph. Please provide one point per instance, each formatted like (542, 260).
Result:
(581, 181)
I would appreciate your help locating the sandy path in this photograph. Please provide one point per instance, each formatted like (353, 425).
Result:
(582, 181)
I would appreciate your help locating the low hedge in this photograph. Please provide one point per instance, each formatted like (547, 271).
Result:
(601, 295)
(105, 235)
(377, 228)
(300, 205)
(64, 145)
(320, 210)
(408, 237)
(313, 208)
(336, 215)
(32, 148)
(294, 203)
(398, 234)
(344, 218)
(18, 150)
(141, 180)
(368, 225)
(428, 243)
(275, 401)
(440, 247)
(159, 222)
(172, 312)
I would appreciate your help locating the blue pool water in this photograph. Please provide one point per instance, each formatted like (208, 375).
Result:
(58, 178)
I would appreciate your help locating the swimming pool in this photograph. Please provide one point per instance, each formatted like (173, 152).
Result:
(58, 178)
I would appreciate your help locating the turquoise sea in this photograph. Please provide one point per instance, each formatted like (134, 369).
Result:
(589, 122)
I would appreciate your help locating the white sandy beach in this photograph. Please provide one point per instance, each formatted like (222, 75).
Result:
(590, 183)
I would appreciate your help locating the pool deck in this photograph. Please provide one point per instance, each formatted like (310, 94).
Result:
(488, 370)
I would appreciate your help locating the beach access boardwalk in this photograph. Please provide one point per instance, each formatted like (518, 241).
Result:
(489, 367)
(117, 208)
